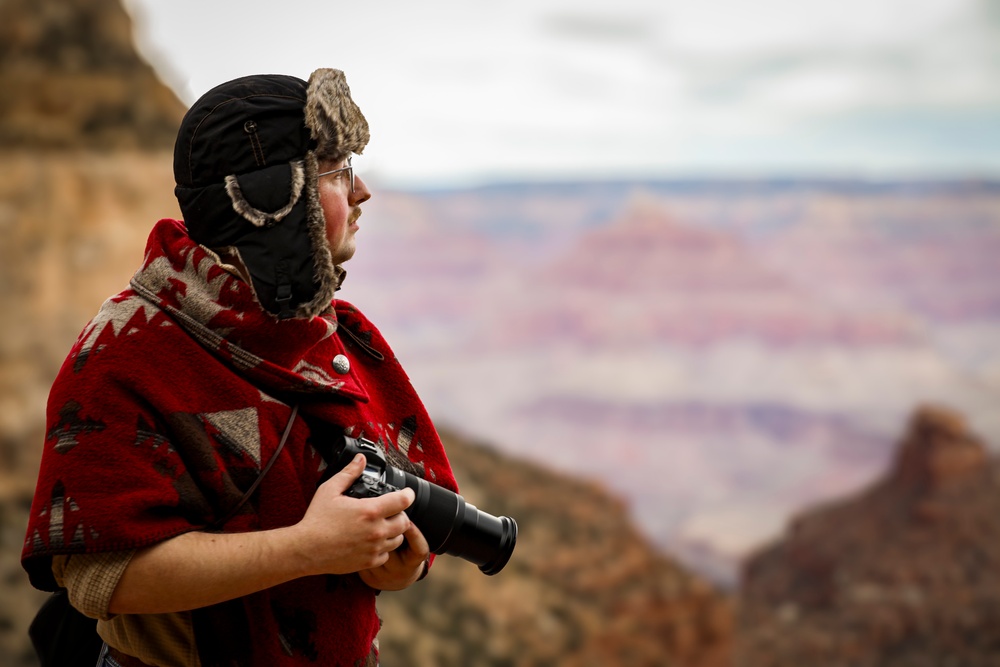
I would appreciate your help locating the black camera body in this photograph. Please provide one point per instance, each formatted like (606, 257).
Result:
(450, 524)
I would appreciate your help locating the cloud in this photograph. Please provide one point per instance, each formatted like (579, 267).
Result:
(591, 28)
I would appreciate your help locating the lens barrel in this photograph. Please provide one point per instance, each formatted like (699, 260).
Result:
(454, 527)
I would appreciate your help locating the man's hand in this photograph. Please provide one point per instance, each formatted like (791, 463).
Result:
(404, 566)
(342, 534)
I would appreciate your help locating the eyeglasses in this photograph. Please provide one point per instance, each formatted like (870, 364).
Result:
(348, 169)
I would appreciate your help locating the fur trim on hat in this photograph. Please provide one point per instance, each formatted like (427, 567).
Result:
(337, 124)
(261, 218)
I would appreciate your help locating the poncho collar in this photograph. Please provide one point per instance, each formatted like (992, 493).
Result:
(221, 312)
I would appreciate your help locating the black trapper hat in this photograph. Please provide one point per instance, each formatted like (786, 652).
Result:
(245, 164)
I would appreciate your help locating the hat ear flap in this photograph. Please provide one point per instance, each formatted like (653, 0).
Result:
(266, 196)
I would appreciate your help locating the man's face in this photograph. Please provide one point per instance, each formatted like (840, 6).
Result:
(341, 208)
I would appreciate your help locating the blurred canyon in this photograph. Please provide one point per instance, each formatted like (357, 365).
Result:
(655, 378)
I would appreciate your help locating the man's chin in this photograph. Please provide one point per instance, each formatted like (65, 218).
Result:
(343, 254)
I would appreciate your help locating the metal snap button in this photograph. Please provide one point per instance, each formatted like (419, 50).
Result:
(341, 364)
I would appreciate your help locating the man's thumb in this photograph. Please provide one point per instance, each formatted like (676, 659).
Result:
(343, 479)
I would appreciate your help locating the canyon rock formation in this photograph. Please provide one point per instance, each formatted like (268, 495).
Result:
(72, 79)
(907, 573)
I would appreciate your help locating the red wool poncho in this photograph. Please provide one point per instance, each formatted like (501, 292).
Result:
(169, 403)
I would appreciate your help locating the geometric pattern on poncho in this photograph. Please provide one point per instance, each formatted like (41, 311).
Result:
(238, 430)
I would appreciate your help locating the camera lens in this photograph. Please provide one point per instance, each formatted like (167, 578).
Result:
(455, 527)
(483, 539)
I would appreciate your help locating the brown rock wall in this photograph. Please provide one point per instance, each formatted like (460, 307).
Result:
(905, 574)
(71, 78)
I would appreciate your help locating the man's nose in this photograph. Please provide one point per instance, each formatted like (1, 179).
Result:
(361, 193)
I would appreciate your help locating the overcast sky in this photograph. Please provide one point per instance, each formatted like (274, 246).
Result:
(463, 92)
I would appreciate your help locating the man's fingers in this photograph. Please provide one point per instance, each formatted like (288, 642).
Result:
(396, 542)
(416, 541)
(395, 502)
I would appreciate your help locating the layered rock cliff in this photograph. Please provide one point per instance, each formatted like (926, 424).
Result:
(905, 574)
(72, 78)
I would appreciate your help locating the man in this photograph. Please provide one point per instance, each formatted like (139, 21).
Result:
(225, 364)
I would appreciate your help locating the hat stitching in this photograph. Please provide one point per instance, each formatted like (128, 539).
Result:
(258, 150)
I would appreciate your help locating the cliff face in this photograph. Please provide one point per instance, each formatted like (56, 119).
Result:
(907, 573)
(72, 78)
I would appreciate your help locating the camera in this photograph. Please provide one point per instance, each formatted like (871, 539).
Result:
(450, 524)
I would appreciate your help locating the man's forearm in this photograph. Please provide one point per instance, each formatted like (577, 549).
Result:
(199, 569)
(337, 535)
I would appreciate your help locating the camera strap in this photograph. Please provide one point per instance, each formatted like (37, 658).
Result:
(253, 487)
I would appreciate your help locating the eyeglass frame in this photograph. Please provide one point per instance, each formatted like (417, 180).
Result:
(349, 168)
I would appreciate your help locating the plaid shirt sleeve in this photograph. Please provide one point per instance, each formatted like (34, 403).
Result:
(91, 579)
